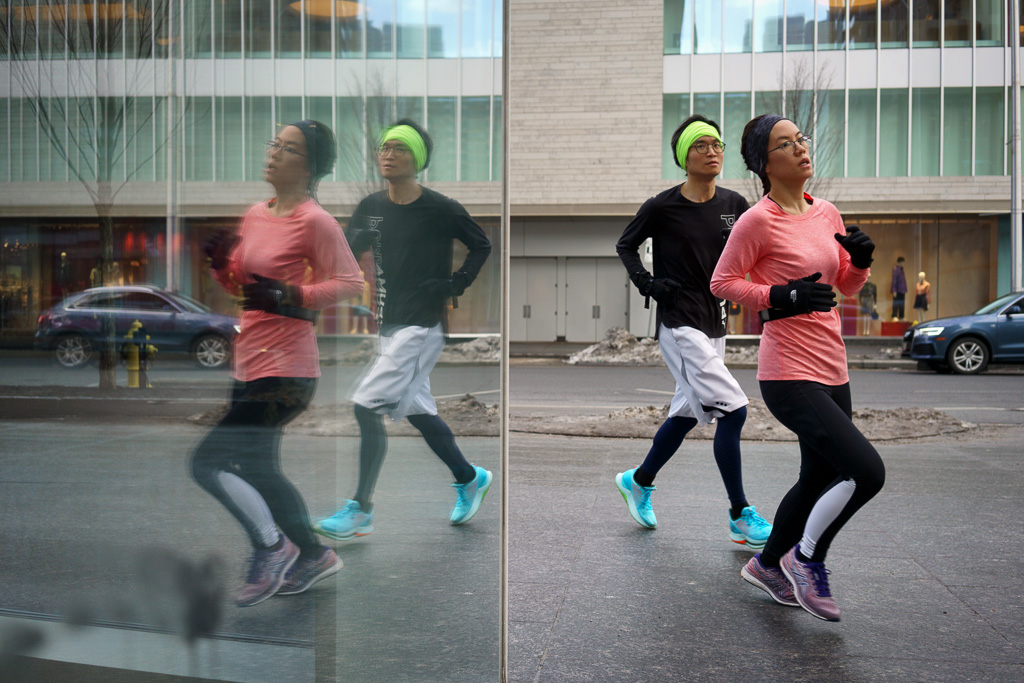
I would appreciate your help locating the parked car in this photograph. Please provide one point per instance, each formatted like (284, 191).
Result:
(174, 323)
(967, 344)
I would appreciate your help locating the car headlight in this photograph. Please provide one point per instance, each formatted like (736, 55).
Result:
(930, 331)
(238, 329)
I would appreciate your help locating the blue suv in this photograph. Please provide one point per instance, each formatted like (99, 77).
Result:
(967, 344)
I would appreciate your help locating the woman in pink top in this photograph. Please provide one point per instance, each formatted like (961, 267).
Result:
(289, 258)
(796, 248)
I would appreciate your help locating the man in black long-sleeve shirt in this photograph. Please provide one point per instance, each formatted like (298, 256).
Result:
(688, 225)
(409, 229)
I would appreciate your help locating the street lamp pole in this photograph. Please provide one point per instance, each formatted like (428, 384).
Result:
(1015, 199)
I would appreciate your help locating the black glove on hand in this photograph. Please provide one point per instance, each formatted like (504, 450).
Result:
(803, 296)
(267, 295)
(448, 286)
(663, 290)
(858, 245)
(218, 247)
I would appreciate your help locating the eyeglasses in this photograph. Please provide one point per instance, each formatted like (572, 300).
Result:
(398, 151)
(790, 145)
(273, 146)
(702, 147)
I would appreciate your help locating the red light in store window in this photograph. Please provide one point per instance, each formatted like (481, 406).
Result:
(129, 243)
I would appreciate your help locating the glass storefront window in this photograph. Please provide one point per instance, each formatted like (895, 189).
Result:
(926, 129)
(259, 127)
(740, 20)
(895, 20)
(442, 126)
(956, 138)
(442, 30)
(863, 24)
(678, 27)
(475, 158)
(411, 28)
(227, 20)
(288, 30)
(989, 23)
(800, 16)
(894, 106)
(380, 20)
(257, 29)
(830, 134)
(768, 21)
(198, 133)
(675, 108)
(863, 133)
(349, 28)
(957, 23)
(989, 127)
(350, 132)
(832, 25)
(476, 28)
(707, 33)
(230, 139)
(737, 113)
(927, 18)
(318, 27)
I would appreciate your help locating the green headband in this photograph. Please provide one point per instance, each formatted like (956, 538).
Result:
(412, 139)
(691, 133)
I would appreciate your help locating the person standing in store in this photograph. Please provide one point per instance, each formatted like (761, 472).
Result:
(290, 259)
(410, 230)
(689, 225)
(795, 248)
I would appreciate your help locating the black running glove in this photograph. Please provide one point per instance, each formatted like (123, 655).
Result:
(452, 286)
(858, 245)
(218, 247)
(663, 290)
(803, 296)
(268, 295)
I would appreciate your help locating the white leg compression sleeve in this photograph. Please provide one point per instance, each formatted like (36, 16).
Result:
(251, 504)
(824, 512)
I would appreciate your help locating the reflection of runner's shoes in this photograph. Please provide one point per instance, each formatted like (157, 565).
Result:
(638, 498)
(347, 523)
(769, 579)
(468, 496)
(751, 529)
(267, 569)
(305, 573)
(810, 586)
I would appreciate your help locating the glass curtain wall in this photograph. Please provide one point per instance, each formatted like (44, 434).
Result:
(154, 143)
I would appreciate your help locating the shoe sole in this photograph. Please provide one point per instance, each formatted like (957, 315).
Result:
(280, 581)
(476, 503)
(630, 504)
(796, 594)
(360, 531)
(328, 571)
(754, 581)
(747, 541)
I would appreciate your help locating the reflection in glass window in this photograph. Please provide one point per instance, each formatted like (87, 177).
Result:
(863, 25)
(707, 33)
(737, 113)
(893, 122)
(496, 153)
(988, 132)
(380, 21)
(24, 141)
(318, 27)
(197, 29)
(5, 160)
(227, 19)
(476, 28)
(442, 29)
(799, 25)
(740, 15)
(51, 164)
(678, 27)
(289, 109)
(230, 139)
(350, 133)
(257, 29)
(674, 110)
(288, 30)
(349, 17)
(957, 23)
(927, 15)
(410, 28)
(198, 132)
(441, 126)
(863, 132)
(768, 27)
(895, 20)
(409, 108)
(259, 127)
(956, 138)
(475, 161)
(497, 34)
(830, 134)
(926, 132)
(832, 25)
(989, 22)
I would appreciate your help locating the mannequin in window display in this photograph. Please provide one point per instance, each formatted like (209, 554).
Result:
(64, 275)
(868, 299)
(898, 289)
(96, 276)
(922, 295)
(410, 231)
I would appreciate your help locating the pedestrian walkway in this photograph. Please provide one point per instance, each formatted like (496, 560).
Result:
(928, 575)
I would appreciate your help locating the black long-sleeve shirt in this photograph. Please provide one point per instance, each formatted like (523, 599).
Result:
(412, 244)
(687, 240)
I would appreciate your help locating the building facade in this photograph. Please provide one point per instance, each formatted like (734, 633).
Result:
(907, 103)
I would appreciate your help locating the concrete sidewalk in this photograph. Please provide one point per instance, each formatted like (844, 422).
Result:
(928, 575)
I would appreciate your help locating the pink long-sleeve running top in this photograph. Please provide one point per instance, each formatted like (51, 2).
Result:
(307, 249)
(775, 247)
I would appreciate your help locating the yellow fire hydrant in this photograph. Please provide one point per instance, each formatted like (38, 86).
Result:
(136, 354)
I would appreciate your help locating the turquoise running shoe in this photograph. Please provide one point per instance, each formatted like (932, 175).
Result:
(468, 496)
(638, 498)
(750, 529)
(347, 523)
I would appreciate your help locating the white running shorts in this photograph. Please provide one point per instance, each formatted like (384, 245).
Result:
(698, 365)
(398, 382)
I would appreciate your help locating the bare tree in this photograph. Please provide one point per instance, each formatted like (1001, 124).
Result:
(79, 66)
(803, 97)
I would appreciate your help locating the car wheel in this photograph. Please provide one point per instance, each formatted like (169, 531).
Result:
(73, 351)
(211, 351)
(968, 356)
